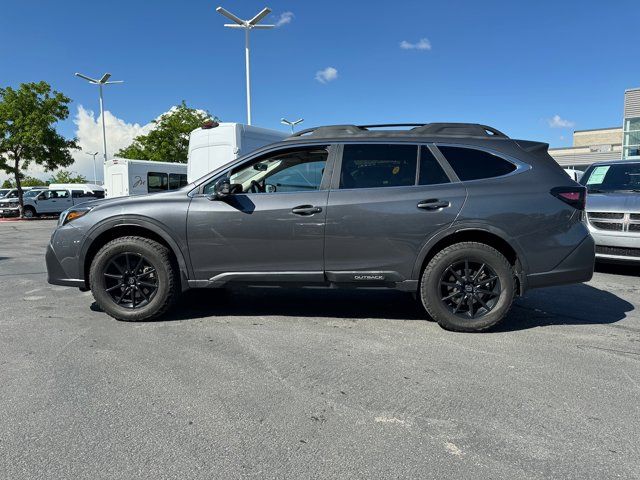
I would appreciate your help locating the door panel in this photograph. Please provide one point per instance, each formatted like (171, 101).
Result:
(383, 229)
(256, 232)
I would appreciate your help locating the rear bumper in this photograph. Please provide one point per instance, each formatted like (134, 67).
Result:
(577, 267)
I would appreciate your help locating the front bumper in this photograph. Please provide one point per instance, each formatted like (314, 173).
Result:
(62, 258)
(577, 267)
(9, 211)
(622, 247)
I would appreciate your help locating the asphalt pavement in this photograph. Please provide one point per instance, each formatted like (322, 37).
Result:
(310, 383)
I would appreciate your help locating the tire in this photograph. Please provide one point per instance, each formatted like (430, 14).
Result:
(481, 294)
(148, 282)
(29, 212)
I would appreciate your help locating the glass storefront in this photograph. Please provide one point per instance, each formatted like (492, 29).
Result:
(631, 138)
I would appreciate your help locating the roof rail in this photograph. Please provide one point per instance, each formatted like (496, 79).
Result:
(419, 129)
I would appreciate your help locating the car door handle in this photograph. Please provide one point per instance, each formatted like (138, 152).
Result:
(433, 204)
(306, 210)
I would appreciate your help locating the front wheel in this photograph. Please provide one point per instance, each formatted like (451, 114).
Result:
(467, 287)
(133, 279)
(29, 212)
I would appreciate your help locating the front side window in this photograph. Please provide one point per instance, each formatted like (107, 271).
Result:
(295, 170)
(157, 182)
(378, 165)
(472, 164)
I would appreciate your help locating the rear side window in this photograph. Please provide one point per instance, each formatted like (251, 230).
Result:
(472, 164)
(378, 165)
(431, 173)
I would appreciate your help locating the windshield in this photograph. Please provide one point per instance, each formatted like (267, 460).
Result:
(619, 177)
(4, 191)
(31, 193)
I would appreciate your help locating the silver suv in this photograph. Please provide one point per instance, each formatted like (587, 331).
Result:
(458, 214)
(613, 209)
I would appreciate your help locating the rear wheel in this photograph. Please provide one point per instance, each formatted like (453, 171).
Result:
(133, 279)
(467, 287)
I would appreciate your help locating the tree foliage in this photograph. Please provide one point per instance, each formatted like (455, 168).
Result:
(7, 184)
(32, 182)
(28, 116)
(169, 139)
(65, 176)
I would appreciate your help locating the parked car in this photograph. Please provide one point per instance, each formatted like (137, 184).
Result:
(48, 201)
(613, 209)
(458, 214)
(4, 192)
(9, 204)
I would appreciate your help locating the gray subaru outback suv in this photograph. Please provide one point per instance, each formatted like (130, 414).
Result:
(458, 214)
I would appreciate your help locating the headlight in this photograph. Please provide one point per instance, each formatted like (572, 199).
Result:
(72, 214)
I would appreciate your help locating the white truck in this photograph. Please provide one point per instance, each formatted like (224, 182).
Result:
(123, 176)
(216, 144)
(51, 200)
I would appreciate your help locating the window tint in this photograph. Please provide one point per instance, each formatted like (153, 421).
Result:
(177, 180)
(371, 166)
(298, 170)
(77, 193)
(157, 182)
(431, 173)
(472, 164)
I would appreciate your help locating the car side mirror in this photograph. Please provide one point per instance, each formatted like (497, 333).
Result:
(221, 190)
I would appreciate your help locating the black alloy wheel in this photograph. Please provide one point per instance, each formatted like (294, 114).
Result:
(469, 289)
(131, 280)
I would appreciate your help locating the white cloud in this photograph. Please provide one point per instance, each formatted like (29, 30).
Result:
(327, 75)
(558, 122)
(284, 19)
(89, 135)
(422, 44)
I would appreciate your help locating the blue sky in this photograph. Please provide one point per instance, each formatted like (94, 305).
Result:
(513, 65)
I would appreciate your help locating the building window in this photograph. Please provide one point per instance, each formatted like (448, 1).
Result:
(157, 182)
(631, 138)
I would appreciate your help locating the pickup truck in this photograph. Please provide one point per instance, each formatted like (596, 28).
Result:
(47, 201)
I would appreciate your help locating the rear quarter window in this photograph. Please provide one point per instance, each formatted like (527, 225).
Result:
(473, 164)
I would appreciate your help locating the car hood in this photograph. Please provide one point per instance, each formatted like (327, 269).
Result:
(614, 202)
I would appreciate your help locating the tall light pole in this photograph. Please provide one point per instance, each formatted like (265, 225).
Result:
(100, 83)
(284, 121)
(248, 25)
(95, 177)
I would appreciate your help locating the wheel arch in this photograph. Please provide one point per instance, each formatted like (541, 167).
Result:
(105, 232)
(481, 234)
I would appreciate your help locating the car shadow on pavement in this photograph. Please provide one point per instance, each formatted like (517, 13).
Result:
(579, 304)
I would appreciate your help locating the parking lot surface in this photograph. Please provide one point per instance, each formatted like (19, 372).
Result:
(275, 383)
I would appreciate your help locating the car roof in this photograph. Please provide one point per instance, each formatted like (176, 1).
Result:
(615, 162)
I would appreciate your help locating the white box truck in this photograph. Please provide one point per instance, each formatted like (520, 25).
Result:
(216, 144)
(123, 176)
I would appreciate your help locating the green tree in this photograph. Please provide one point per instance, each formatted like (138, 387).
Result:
(169, 139)
(32, 182)
(65, 176)
(27, 130)
(7, 184)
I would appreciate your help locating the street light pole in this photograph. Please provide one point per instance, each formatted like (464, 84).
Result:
(284, 121)
(101, 82)
(95, 176)
(248, 25)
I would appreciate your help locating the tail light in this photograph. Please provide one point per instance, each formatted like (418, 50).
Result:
(574, 196)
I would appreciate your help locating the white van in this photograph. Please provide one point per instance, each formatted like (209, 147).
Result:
(216, 144)
(123, 176)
